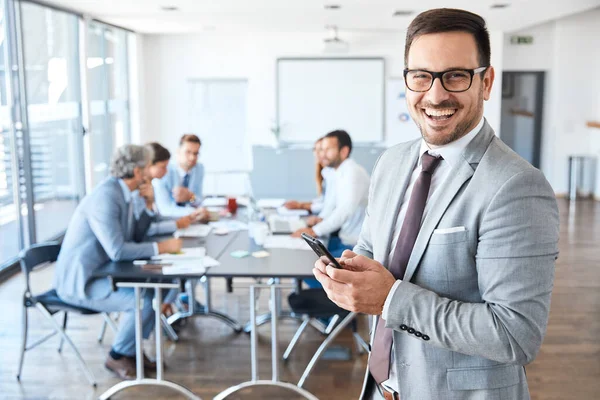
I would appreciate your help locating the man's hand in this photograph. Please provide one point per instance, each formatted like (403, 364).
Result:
(182, 194)
(313, 220)
(297, 205)
(292, 204)
(362, 286)
(184, 222)
(171, 246)
(201, 215)
(304, 230)
(147, 192)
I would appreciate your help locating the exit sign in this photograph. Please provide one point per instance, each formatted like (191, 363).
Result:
(521, 39)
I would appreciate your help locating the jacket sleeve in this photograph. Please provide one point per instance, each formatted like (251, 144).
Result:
(516, 252)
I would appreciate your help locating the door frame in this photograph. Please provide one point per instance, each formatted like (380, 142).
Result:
(540, 77)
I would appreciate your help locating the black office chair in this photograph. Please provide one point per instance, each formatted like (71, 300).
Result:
(48, 304)
(312, 305)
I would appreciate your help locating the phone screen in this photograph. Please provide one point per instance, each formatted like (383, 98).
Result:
(320, 249)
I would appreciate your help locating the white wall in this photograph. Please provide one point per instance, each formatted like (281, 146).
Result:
(170, 60)
(568, 49)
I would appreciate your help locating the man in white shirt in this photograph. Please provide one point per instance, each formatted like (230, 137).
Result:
(456, 255)
(343, 221)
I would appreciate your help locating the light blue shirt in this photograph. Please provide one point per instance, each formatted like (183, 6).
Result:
(136, 206)
(163, 190)
(159, 226)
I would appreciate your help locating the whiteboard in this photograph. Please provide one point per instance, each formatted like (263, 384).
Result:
(316, 96)
(217, 114)
(399, 126)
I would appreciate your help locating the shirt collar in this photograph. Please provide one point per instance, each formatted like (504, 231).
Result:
(182, 172)
(126, 191)
(451, 152)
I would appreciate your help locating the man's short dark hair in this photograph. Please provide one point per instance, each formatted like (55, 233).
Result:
(160, 152)
(343, 139)
(441, 20)
(191, 138)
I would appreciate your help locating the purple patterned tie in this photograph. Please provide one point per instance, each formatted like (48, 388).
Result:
(379, 363)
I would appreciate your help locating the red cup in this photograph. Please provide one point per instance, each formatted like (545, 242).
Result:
(232, 205)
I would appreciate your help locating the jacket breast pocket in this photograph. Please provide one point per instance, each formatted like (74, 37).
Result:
(448, 238)
(483, 378)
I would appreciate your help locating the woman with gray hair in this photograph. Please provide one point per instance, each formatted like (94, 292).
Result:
(101, 230)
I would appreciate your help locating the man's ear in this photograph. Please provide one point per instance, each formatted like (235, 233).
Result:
(345, 152)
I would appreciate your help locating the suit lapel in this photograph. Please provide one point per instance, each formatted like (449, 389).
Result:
(437, 205)
(402, 170)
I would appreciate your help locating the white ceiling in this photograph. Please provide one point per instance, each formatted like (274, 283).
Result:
(240, 16)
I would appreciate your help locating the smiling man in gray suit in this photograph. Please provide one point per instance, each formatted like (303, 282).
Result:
(456, 254)
(102, 229)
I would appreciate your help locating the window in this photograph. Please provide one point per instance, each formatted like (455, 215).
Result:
(50, 46)
(108, 94)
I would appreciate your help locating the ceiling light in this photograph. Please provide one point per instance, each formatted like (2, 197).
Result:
(332, 6)
(500, 5)
(169, 8)
(402, 13)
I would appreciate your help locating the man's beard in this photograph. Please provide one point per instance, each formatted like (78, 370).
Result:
(461, 128)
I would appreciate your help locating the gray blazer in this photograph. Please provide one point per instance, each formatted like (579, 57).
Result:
(95, 236)
(479, 297)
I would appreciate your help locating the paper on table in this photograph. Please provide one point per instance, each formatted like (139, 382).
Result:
(286, 212)
(270, 203)
(230, 225)
(285, 242)
(191, 267)
(214, 202)
(187, 253)
(199, 230)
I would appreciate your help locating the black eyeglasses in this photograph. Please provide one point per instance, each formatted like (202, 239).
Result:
(453, 80)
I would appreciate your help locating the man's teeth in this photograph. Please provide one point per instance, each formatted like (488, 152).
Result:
(439, 113)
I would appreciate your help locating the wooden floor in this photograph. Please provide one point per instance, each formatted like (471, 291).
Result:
(210, 358)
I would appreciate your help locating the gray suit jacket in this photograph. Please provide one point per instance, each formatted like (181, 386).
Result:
(480, 297)
(95, 236)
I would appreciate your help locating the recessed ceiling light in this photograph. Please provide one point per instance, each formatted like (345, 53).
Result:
(402, 13)
(169, 8)
(332, 6)
(500, 5)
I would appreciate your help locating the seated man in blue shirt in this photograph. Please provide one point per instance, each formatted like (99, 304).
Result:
(151, 221)
(103, 229)
(179, 192)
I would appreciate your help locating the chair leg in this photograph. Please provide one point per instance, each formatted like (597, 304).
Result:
(23, 344)
(66, 337)
(64, 328)
(102, 331)
(362, 346)
(324, 346)
(295, 339)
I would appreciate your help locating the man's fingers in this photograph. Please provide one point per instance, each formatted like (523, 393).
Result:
(341, 275)
(348, 254)
(361, 263)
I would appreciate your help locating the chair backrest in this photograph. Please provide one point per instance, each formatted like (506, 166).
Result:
(36, 255)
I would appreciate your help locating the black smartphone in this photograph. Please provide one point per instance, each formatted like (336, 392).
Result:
(319, 248)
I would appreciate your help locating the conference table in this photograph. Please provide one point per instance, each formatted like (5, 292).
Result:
(281, 263)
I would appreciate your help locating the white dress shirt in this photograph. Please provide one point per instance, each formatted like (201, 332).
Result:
(351, 197)
(323, 201)
(451, 154)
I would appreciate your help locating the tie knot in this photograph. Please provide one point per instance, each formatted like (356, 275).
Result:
(429, 163)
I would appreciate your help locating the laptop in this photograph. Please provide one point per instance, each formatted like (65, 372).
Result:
(284, 225)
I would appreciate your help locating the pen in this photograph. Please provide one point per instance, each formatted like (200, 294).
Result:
(154, 262)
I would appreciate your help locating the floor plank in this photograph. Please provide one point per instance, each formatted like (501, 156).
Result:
(210, 358)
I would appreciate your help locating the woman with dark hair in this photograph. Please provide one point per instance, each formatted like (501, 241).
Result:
(323, 178)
